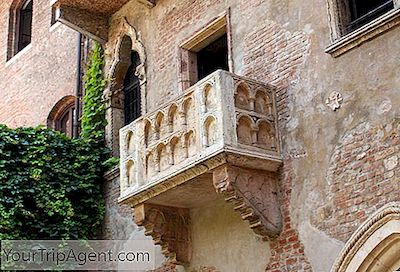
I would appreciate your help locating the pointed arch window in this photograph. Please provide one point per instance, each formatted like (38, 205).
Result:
(132, 97)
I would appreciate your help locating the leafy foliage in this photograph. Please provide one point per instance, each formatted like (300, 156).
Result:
(93, 118)
(50, 185)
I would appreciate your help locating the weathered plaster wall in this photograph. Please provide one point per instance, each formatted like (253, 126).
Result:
(33, 81)
(223, 241)
(325, 194)
(118, 221)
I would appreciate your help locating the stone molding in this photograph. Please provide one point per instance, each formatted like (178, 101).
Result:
(381, 217)
(116, 67)
(341, 45)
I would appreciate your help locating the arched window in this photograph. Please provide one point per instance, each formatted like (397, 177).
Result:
(61, 117)
(132, 97)
(65, 122)
(25, 25)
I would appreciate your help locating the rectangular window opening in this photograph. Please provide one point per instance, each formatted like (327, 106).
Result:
(213, 57)
(25, 26)
(205, 52)
(364, 11)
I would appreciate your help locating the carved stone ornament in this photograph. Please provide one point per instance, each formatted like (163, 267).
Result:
(254, 194)
(334, 101)
(113, 51)
(220, 137)
(169, 227)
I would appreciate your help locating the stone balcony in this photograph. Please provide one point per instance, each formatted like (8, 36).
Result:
(218, 138)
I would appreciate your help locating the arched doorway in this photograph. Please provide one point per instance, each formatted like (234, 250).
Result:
(375, 246)
(132, 93)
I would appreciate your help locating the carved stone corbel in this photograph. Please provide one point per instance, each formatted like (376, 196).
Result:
(169, 227)
(254, 194)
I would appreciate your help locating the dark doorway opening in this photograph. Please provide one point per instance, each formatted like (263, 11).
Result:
(132, 97)
(213, 57)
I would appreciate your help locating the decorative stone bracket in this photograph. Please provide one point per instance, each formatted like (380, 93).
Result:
(254, 194)
(169, 227)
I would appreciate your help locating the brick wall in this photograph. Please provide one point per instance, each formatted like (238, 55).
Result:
(118, 222)
(273, 54)
(364, 175)
(33, 81)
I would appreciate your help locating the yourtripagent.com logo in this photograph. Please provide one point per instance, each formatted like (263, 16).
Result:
(77, 255)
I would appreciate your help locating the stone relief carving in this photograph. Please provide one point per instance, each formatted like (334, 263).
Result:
(169, 227)
(254, 194)
(124, 40)
(114, 59)
(204, 131)
(334, 100)
(255, 116)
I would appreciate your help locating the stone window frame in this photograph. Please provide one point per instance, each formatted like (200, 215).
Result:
(342, 43)
(187, 66)
(13, 30)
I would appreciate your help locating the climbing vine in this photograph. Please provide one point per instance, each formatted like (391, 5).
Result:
(93, 121)
(93, 118)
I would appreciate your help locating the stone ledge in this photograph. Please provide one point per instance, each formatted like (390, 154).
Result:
(365, 33)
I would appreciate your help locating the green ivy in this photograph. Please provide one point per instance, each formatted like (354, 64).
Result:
(93, 118)
(50, 185)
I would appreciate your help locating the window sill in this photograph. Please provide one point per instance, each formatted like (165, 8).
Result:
(364, 33)
(18, 55)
